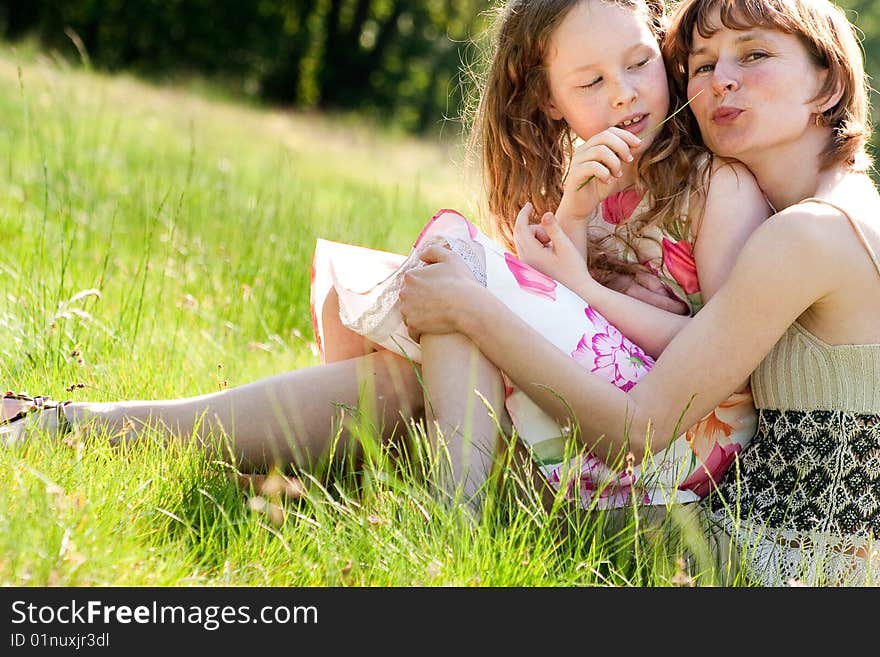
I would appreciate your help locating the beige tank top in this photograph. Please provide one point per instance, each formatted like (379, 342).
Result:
(805, 373)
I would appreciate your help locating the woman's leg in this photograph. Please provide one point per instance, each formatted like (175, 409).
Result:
(279, 420)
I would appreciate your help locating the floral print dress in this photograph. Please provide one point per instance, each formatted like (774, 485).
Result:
(368, 281)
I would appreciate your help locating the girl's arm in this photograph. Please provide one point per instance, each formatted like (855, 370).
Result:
(733, 209)
(773, 281)
(734, 206)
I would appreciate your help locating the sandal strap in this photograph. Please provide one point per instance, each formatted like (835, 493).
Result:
(40, 403)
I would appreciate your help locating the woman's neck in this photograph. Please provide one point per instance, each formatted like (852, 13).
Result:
(790, 173)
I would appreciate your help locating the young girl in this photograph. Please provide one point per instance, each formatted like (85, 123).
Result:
(586, 68)
(640, 194)
(780, 85)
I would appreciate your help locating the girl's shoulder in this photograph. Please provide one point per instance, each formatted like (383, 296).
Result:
(722, 179)
(718, 187)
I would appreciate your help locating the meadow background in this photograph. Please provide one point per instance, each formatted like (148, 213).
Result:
(157, 233)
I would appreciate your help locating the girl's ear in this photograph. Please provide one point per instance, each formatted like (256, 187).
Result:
(550, 109)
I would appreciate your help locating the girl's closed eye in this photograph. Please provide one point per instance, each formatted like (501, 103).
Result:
(641, 63)
(591, 84)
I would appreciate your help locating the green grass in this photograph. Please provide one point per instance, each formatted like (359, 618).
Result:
(156, 243)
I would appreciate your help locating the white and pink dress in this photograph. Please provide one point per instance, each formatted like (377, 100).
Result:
(368, 281)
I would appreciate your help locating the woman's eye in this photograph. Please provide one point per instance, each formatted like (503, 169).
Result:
(755, 56)
(702, 68)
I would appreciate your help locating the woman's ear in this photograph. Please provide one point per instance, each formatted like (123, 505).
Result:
(831, 99)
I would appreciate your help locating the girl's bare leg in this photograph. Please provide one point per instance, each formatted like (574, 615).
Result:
(282, 419)
(340, 343)
(462, 431)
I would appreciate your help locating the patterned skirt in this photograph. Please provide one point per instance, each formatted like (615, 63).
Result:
(368, 281)
(804, 504)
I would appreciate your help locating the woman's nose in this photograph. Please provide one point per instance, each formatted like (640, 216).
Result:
(723, 80)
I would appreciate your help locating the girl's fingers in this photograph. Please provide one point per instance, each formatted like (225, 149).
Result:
(633, 140)
(593, 169)
(540, 234)
(523, 220)
(603, 155)
(650, 281)
(612, 147)
(619, 141)
(523, 228)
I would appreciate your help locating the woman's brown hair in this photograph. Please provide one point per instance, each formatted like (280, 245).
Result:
(830, 40)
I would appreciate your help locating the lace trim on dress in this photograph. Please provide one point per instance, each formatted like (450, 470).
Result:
(383, 309)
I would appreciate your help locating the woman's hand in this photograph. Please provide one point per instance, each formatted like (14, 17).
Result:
(434, 298)
(548, 249)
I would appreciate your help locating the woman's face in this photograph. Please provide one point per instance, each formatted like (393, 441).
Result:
(756, 89)
(604, 69)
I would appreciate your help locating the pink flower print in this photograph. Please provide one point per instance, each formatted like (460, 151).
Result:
(617, 208)
(595, 318)
(710, 440)
(679, 260)
(530, 279)
(613, 356)
(596, 486)
(703, 479)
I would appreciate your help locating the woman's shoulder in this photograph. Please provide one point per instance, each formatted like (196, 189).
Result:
(829, 227)
(814, 219)
(805, 234)
(718, 179)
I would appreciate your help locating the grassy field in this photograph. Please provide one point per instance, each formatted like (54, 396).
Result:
(156, 243)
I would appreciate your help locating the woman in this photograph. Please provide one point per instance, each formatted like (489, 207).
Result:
(780, 86)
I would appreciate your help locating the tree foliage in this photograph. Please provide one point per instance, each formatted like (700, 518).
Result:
(397, 59)
(401, 60)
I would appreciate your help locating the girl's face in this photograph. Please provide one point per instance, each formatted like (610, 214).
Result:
(604, 69)
(756, 90)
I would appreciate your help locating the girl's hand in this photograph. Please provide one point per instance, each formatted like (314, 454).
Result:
(596, 166)
(548, 249)
(435, 297)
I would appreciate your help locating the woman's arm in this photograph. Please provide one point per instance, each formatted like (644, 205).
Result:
(733, 207)
(772, 283)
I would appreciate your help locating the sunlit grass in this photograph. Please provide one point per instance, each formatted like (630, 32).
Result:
(157, 244)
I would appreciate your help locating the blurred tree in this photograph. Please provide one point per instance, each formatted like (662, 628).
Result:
(399, 60)
(392, 58)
